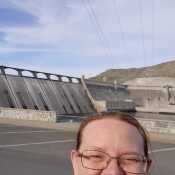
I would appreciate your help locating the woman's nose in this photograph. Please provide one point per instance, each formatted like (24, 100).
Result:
(113, 168)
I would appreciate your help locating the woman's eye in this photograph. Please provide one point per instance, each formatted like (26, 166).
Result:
(96, 156)
(134, 160)
(131, 160)
(93, 157)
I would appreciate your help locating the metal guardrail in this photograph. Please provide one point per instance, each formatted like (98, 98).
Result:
(35, 74)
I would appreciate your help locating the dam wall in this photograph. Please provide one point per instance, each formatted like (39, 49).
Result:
(63, 95)
(110, 97)
(26, 89)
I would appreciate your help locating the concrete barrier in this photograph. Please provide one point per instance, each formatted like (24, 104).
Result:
(158, 126)
(27, 114)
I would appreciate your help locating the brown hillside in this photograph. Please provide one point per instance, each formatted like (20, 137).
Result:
(166, 69)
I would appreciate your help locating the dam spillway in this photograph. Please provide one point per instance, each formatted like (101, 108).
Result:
(19, 91)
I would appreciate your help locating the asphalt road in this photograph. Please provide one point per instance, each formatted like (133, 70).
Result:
(26, 151)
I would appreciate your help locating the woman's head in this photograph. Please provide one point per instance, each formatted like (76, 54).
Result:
(114, 134)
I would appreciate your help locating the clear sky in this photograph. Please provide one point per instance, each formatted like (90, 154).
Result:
(86, 37)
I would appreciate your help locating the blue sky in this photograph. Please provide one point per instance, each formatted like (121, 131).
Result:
(86, 37)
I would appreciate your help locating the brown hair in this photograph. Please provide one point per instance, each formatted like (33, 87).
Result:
(114, 115)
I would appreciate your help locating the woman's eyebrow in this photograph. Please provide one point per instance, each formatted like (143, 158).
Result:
(131, 152)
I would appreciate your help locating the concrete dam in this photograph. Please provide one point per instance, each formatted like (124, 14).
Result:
(40, 96)
(26, 89)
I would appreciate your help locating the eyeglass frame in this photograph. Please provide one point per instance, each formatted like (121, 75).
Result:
(145, 160)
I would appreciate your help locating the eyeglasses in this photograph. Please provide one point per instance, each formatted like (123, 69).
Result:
(99, 160)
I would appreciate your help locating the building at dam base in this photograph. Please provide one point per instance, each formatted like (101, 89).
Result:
(153, 94)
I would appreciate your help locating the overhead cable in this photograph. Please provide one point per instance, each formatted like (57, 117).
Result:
(142, 28)
(94, 20)
(118, 17)
(153, 30)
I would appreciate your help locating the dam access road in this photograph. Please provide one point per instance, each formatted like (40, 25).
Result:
(27, 150)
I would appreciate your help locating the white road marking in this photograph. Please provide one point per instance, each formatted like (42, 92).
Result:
(37, 143)
(26, 132)
(163, 150)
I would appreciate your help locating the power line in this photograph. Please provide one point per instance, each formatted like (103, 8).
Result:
(117, 14)
(153, 30)
(94, 20)
(142, 28)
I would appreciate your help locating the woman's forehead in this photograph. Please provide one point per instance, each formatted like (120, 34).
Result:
(111, 125)
(112, 133)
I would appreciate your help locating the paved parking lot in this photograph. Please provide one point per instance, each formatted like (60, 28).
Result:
(27, 150)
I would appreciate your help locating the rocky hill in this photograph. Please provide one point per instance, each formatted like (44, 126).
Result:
(166, 69)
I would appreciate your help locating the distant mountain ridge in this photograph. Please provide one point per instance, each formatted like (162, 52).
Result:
(166, 69)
